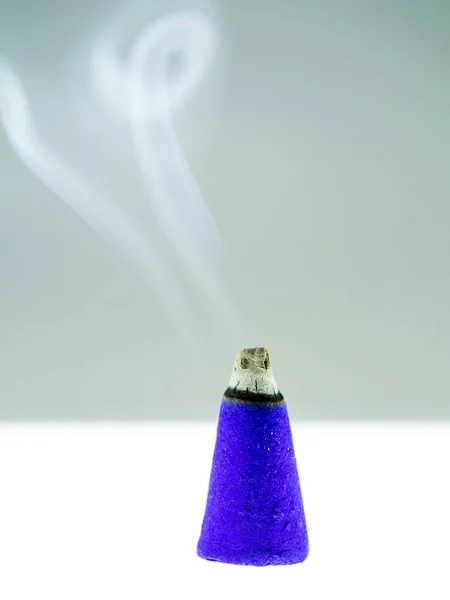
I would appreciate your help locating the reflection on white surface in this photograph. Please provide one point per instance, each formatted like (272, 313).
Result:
(114, 511)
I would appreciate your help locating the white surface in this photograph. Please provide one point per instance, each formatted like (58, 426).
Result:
(106, 512)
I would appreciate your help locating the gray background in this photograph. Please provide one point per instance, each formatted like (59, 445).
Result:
(320, 141)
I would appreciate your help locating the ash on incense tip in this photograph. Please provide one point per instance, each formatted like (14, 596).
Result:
(252, 378)
(254, 512)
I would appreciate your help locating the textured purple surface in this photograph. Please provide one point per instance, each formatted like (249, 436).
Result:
(254, 513)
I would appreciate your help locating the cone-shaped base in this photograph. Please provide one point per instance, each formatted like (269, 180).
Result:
(254, 513)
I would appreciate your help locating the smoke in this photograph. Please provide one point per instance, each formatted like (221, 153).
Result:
(102, 216)
(142, 90)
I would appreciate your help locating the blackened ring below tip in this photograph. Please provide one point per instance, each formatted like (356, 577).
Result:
(252, 397)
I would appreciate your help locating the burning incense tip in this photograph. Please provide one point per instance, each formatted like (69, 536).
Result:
(252, 379)
(254, 512)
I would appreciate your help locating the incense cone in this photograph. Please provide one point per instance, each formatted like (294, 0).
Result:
(254, 512)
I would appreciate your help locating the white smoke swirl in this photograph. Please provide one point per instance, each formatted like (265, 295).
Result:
(102, 216)
(141, 89)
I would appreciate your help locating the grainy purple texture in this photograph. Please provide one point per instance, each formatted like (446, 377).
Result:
(254, 513)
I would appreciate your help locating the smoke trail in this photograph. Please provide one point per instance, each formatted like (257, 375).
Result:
(189, 35)
(145, 94)
(106, 220)
(141, 90)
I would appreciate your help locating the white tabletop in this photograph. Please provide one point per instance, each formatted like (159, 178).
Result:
(111, 512)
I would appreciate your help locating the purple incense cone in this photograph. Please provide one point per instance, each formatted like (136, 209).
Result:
(254, 511)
